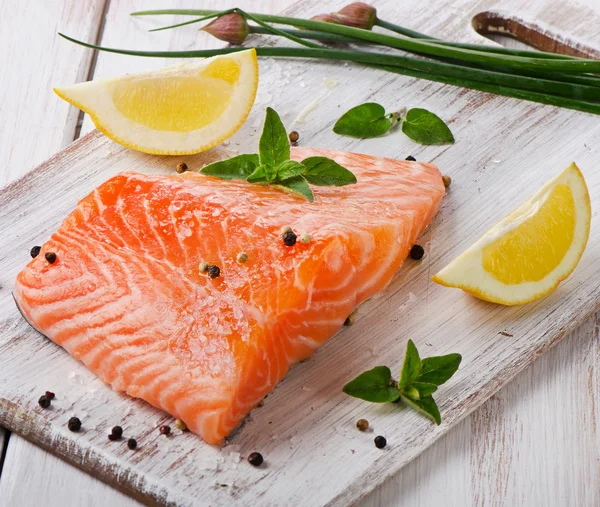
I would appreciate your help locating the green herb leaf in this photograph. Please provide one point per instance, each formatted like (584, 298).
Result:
(438, 369)
(324, 172)
(297, 185)
(424, 388)
(258, 176)
(274, 146)
(373, 385)
(289, 169)
(411, 392)
(426, 406)
(235, 168)
(365, 120)
(425, 127)
(411, 367)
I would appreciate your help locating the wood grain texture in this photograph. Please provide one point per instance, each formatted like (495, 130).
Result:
(396, 285)
(35, 122)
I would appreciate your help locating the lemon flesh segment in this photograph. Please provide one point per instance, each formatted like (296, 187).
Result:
(527, 254)
(186, 108)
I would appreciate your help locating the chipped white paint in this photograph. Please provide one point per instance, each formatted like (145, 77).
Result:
(483, 349)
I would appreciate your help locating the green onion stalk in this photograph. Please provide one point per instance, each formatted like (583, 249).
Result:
(569, 95)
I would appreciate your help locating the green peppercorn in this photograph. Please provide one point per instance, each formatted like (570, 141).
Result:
(447, 180)
(286, 228)
(255, 459)
(294, 136)
(305, 238)
(380, 442)
(180, 425)
(417, 252)
(35, 251)
(202, 267)
(350, 319)
(50, 257)
(242, 257)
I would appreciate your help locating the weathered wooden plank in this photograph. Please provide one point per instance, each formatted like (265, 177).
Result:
(35, 122)
(321, 355)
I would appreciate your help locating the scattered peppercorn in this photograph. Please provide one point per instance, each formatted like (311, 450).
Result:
(181, 167)
(165, 430)
(289, 238)
(417, 252)
(74, 424)
(255, 459)
(362, 424)
(350, 319)
(180, 425)
(286, 228)
(380, 442)
(50, 257)
(213, 271)
(35, 251)
(411, 158)
(305, 238)
(294, 136)
(50, 395)
(44, 401)
(113, 438)
(132, 443)
(242, 257)
(202, 267)
(447, 180)
(117, 432)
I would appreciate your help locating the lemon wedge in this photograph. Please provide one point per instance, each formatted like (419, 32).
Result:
(183, 109)
(529, 252)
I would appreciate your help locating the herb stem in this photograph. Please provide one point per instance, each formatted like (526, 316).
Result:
(545, 91)
(421, 46)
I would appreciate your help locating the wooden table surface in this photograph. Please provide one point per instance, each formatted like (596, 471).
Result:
(534, 443)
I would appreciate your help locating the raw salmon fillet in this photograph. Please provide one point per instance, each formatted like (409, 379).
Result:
(125, 295)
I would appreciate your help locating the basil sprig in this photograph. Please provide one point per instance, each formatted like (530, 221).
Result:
(272, 164)
(419, 379)
(371, 120)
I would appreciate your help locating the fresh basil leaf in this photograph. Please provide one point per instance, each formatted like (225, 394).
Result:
(324, 172)
(426, 406)
(373, 385)
(274, 145)
(297, 185)
(365, 120)
(411, 392)
(411, 367)
(438, 369)
(235, 168)
(424, 388)
(425, 127)
(258, 176)
(289, 169)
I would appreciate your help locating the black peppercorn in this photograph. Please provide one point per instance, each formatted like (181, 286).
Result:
(50, 395)
(132, 443)
(35, 251)
(117, 432)
(380, 442)
(50, 257)
(74, 424)
(255, 459)
(113, 438)
(44, 401)
(165, 430)
(213, 271)
(411, 158)
(417, 252)
(289, 238)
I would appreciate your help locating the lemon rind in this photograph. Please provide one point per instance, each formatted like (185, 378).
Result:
(466, 272)
(95, 99)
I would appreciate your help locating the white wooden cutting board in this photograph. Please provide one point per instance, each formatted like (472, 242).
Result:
(505, 151)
